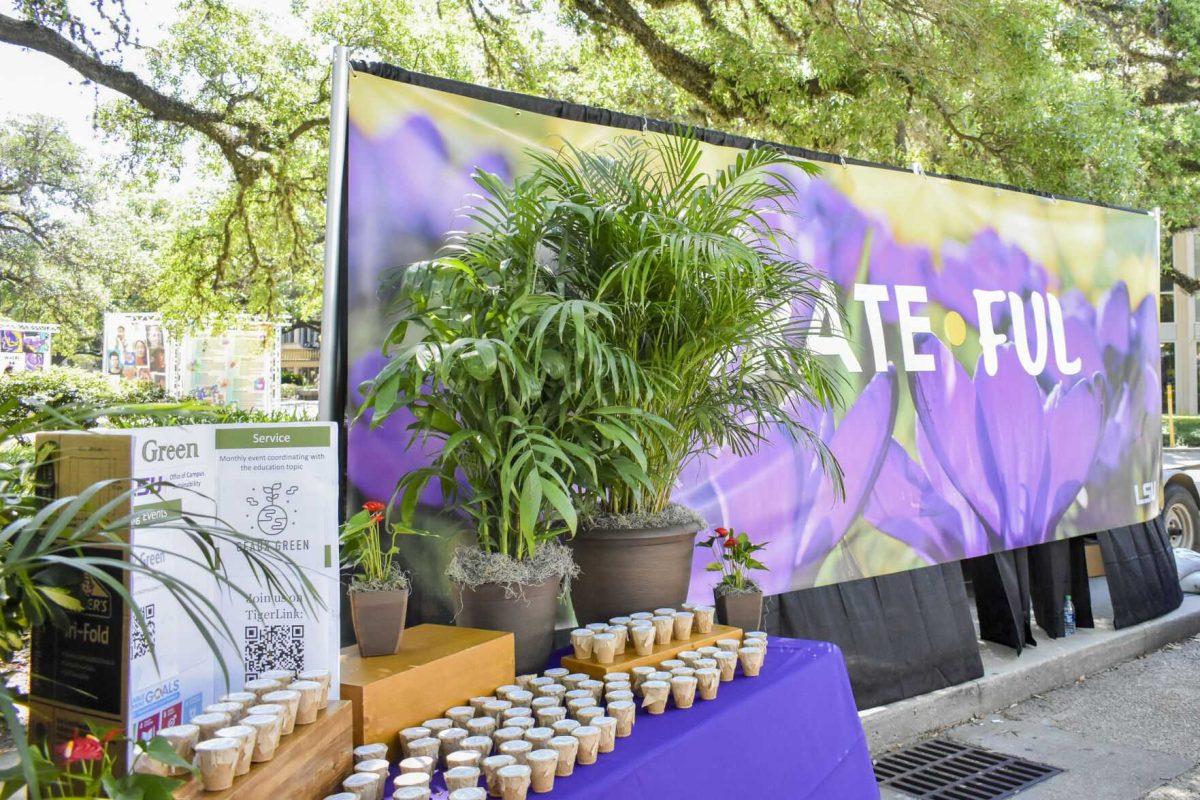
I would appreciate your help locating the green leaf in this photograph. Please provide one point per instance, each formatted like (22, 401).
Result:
(530, 503)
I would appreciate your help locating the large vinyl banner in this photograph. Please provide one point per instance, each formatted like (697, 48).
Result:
(1001, 359)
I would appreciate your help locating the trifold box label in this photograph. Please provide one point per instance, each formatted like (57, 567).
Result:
(275, 483)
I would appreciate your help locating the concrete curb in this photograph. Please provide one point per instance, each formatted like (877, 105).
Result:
(890, 726)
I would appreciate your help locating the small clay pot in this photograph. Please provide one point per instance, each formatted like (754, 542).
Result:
(752, 660)
(459, 715)
(542, 765)
(664, 629)
(589, 744)
(310, 701)
(244, 735)
(683, 625)
(604, 647)
(479, 744)
(621, 634)
(321, 676)
(654, 696)
(567, 748)
(624, 712)
(643, 637)
(564, 726)
(546, 717)
(461, 777)
(490, 766)
(581, 640)
(517, 748)
(422, 764)
(727, 663)
(683, 690)
(290, 700)
(209, 724)
(481, 726)
(704, 618)
(708, 680)
(216, 760)
(261, 686)
(266, 738)
(608, 733)
(461, 758)
(514, 781)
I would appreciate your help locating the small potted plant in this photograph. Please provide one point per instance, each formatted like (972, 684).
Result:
(739, 600)
(378, 586)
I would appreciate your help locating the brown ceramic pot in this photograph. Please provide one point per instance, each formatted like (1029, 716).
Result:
(530, 617)
(621, 571)
(378, 621)
(742, 610)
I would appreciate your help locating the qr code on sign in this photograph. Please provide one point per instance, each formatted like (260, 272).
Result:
(273, 647)
(142, 640)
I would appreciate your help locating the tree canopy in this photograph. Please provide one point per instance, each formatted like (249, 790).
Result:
(1092, 98)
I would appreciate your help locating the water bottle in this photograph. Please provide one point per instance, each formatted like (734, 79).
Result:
(1069, 616)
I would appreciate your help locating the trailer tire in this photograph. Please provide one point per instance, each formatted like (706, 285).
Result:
(1181, 516)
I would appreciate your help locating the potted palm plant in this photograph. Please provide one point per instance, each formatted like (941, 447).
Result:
(378, 586)
(708, 301)
(518, 383)
(739, 599)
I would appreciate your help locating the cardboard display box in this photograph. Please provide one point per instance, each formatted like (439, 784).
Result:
(438, 667)
(1095, 561)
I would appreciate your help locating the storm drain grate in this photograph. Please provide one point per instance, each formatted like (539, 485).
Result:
(943, 770)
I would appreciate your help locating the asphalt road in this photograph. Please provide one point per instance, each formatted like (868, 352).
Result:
(1128, 733)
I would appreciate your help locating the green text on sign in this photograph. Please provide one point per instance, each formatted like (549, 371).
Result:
(254, 436)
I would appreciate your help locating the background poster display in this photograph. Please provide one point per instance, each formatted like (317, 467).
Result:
(137, 347)
(25, 346)
(1001, 359)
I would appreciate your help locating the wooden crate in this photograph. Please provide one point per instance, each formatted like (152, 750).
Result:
(662, 652)
(309, 764)
(438, 667)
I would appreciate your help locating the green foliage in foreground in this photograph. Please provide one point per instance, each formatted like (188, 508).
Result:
(1187, 432)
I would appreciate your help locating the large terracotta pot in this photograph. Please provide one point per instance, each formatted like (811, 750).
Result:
(378, 621)
(623, 571)
(742, 610)
(529, 616)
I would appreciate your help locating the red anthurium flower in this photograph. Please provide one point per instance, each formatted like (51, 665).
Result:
(731, 541)
(377, 517)
(374, 506)
(721, 531)
(82, 748)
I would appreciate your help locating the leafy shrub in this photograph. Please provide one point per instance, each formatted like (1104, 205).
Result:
(66, 386)
(1187, 432)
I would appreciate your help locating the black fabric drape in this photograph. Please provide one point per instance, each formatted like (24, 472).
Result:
(1058, 569)
(1140, 566)
(902, 635)
(1001, 585)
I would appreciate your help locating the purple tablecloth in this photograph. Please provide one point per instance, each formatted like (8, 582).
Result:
(790, 734)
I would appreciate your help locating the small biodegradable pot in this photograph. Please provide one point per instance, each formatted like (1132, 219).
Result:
(322, 677)
(664, 629)
(244, 735)
(266, 737)
(670, 664)
(460, 758)
(581, 640)
(427, 746)
(376, 766)
(689, 657)
(610, 677)
(451, 740)
(412, 734)
(687, 606)
(261, 686)
(517, 748)
(491, 765)
(617, 696)
(752, 660)
(638, 676)
(683, 690)
(423, 764)
(477, 703)
(524, 723)
(539, 737)
(555, 690)
(608, 733)
(704, 618)
(705, 663)
(235, 710)
(472, 793)
(546, 717)
(290, 700)
(578, 704)
(589, 744)
(564, 726)
(727, 663)
(542, 702)
(604, 647)
(654, 696)
(481, 745)
(683, 625)
(412, 784)
(567, 748)
(639, 615)
(284, 676)
(665, 677)
(596, 627)
(209, 724)
(182, 739)
(481, 726)
(708, 679)
(364, 785)
(272, 709)
(624, 712)
(586, 716)
(665, 612)
(622, 621)
(523, 680)
(217, 759)
(514, 781)
(573, 680)
(761, 644)
(515, 712)
(542, 764)
(542, 680)
(643, 637)
(503, 691)
(310, 701)
(595, 687)
(557, 673)
(575, 694)
(411, 779)
(708, 651)
(494, 709)
(412, 793)
(520, 698)
(365, 752)
(459, 715)
(438, 725)
(617, 686)
(243, 699)
(754, 635)
(507, 735)
(682, 672)
(461, 778)
(729, 645)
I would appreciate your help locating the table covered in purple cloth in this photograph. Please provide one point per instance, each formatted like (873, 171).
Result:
(792, 733)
